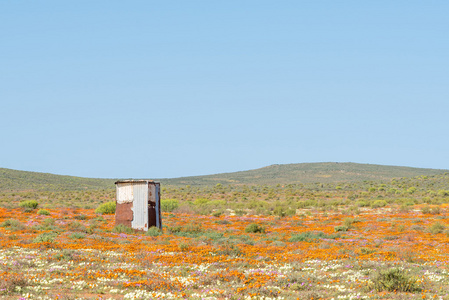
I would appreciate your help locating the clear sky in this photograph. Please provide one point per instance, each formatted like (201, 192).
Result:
(156, 89)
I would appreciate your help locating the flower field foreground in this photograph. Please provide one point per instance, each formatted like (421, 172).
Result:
(383, 253)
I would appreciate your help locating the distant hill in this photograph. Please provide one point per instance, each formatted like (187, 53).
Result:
(306, 173)
(23, 180)
(271, 175)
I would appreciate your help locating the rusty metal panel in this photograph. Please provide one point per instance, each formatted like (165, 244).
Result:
(124, 214)
(140, 206)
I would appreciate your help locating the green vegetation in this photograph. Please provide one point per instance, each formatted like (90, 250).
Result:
(281, 199)
(437, 227)
(77, 235)
(341, 228)
(381, 221)
(255, 228)
(46, 237)
(379, 203)
(153, 231)
(395, 280)
(43, 212)
(106, 208)
(14, 180)
(122, 229)
(312, 236)
(12, 224)
(31, 204)
(169, 205)
(305, 173)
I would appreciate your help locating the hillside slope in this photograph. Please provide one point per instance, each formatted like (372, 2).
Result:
(13, 180)
(23, 180)
(307, 173)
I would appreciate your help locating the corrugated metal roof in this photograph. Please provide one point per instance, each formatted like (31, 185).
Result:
(134, 181)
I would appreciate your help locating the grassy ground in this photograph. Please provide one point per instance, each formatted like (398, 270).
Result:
(389, 252)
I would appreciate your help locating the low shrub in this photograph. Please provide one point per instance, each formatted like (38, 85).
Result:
(184, 209)
(378, 203)
(200, 201)
(11, 282)
(13, 225)
(169, 205)
(362, 203)
(43, 212)
(341, 228)
(437, 227)
(222, 222)
(213, 235)
(32, 204)
(282, 211)
(48, 222)
(227, 247)
(100, 219)
(122, 229)
(193, 227)
(183, 246)
(310, 236)
(365, 251)
(255, 228)
(174, 229)
(107, 208)
(217, 213)
(349, 221)
(431, 210)
(46, 237)
(153, 231)
(77, 236)
(76, 226)
(395, 280)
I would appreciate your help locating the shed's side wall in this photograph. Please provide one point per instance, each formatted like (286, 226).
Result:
(123, 211)
(157, 197)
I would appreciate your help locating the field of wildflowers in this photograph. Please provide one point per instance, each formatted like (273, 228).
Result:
(385, 252)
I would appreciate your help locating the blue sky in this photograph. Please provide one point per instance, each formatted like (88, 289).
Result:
(156, 89)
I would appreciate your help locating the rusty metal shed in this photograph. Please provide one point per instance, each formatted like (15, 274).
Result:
(138, 204)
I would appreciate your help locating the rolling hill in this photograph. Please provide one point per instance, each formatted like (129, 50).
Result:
(23, 180)
(271, 175)
(307, 173)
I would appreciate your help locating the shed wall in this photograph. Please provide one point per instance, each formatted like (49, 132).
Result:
(140, 206)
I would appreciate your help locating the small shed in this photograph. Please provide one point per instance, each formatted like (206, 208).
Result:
(138, 204)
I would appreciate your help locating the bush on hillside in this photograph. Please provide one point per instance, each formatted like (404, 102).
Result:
(395, 280)
(311, 236)
(32, 204)
(43, 212)
(120, 228)
(153, 231)
(437, 227)
(107, 208)
(378, 203)
(13, 225)
(255, 228)
(169, 205)
(46, 237)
